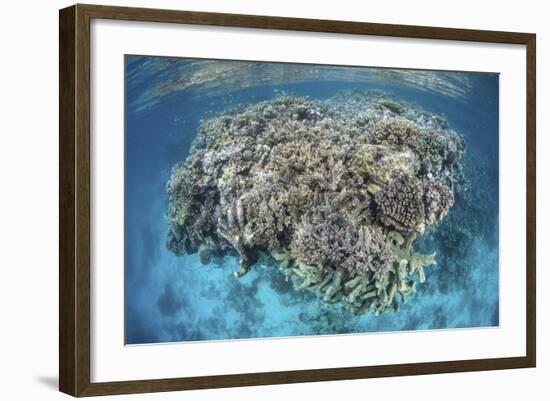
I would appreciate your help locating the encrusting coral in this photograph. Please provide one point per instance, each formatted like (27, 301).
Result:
(335, 192)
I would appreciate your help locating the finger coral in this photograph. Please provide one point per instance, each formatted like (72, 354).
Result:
(330, 189)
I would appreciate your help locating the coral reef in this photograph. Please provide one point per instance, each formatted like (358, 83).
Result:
(335, 192)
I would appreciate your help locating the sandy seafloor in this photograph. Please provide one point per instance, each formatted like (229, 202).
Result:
(169, 298)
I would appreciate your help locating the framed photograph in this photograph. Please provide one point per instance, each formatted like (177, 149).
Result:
(250, 200)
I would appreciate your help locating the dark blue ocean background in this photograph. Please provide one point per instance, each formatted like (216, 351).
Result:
(169, 298)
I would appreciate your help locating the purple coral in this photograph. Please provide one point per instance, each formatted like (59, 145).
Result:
(319, 238)
(401, 204)
(368, 252)
(411, 204)
(438, 199)
(330, 237)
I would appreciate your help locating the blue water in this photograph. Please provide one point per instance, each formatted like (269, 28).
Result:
(169, 298)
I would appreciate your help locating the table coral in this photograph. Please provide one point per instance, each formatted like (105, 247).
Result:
(329, 189)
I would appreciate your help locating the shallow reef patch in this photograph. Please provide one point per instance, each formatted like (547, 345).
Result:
(333, 194)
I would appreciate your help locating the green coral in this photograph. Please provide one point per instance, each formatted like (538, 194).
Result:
(182, 215)
(392, 106)
(284, 258)
(406, 256)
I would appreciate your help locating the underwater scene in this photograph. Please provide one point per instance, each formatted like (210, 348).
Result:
(275, 199)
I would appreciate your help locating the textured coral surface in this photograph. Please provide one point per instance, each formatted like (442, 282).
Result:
(333, 193)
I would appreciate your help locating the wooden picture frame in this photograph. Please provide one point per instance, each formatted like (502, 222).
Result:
(74, 200)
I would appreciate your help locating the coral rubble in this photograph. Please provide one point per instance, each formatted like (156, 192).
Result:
(335, 192)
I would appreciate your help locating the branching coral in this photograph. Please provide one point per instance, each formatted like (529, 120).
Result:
(329, 237)
(328, 189)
